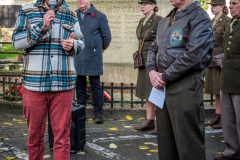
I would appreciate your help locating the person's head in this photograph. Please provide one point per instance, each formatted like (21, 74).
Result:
(148, 6)
(47, 3)
(234, 8)
(84, 4)
(218, 7)
(179, 3)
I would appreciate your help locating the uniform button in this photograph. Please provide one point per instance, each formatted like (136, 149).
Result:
(152, 31)
(228, 48)
(230, 36)
(229, 42)
(148, 23)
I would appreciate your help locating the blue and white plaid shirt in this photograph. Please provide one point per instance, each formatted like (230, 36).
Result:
(47, 66)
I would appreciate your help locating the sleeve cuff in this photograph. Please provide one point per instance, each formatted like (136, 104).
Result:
(165, 78)
(151, 67)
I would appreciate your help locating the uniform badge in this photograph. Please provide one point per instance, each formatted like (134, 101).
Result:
(176, 37)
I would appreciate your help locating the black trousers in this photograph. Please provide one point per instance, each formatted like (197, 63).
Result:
(180, 124)
(96, 90)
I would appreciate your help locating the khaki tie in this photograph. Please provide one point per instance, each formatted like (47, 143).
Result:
(214, 21)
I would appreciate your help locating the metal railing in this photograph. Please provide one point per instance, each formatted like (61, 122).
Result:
(112, 88)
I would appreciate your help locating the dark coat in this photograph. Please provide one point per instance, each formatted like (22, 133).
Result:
(97, 36)
(218, 31)
(150, 36)
(230, 74)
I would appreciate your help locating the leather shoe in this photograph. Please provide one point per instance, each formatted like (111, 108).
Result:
(153, 132)
(221, 156)
(148, 125)
(99, 119)
(217, 126)
(215, 120)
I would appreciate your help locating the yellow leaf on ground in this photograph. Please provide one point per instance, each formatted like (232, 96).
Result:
(112, 145)
(208, 127)
(221, 136)
(25, 134)
(6, 139)
(150, 143)
(143, 147)
(127, 126)
(81, 152)
(10, 158)
(212, 136)
(128, 117)
(110, 119)
(113, 129)
(110, 134)
(7, 123)
(222, 141)
(134, 130)
(16, 120)
(148, 154)
(118, 133)
(87, 135)
(47, 156)
(153, 150)
(140, 119)
(20, 122)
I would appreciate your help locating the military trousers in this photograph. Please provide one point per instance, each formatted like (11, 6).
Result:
(180, 124)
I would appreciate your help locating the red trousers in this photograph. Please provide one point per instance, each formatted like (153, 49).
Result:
(36, 106)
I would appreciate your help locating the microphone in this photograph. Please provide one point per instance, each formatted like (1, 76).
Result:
(52, 4)
(52, 7)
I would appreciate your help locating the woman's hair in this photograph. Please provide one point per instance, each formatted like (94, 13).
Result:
(156, 9)
(225, 10)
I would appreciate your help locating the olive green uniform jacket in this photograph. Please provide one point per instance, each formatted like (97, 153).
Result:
(152, 24)
(230, 74)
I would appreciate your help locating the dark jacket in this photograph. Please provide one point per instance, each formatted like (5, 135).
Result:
(218, 31)
(184, 47)
(230, 73)
(151, 24)
(97, 35)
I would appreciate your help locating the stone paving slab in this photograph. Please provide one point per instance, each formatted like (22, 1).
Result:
(131, 145)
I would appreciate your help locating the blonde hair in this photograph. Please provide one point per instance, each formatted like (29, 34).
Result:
(225, 10)
(156, 9)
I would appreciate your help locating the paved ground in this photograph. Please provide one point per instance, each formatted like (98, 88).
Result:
(131, 145)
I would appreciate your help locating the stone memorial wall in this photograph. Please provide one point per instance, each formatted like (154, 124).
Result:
(123, 17)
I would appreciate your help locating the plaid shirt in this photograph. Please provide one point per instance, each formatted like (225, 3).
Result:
(47, 66)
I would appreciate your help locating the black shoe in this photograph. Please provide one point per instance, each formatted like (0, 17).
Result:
(99, 119)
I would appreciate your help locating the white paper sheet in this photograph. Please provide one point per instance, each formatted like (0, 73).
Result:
(157, 97)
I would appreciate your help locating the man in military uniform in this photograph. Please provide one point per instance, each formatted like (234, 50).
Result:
(230, 86)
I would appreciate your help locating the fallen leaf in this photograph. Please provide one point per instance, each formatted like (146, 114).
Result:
(121, 120)
(127, 126)
(110, 134)
(153, 150)
(148, 154)
(112, 145)
(16, 120)
(212, 136)
(6, 139)
(87, 135)
(219, 152)
(134, 130)
(7, 123)
(142, 118)
(10, 158)
(221, 136)
(118, 133)
(113, 129)
(143, 147)
(222, 141)
(47, 156)
(209, 127)
(20, 122)
(110, 119)
(128, 117)
(81, 152)
(45, 134)
(25, 134)
(150, 143)
(3, 138)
